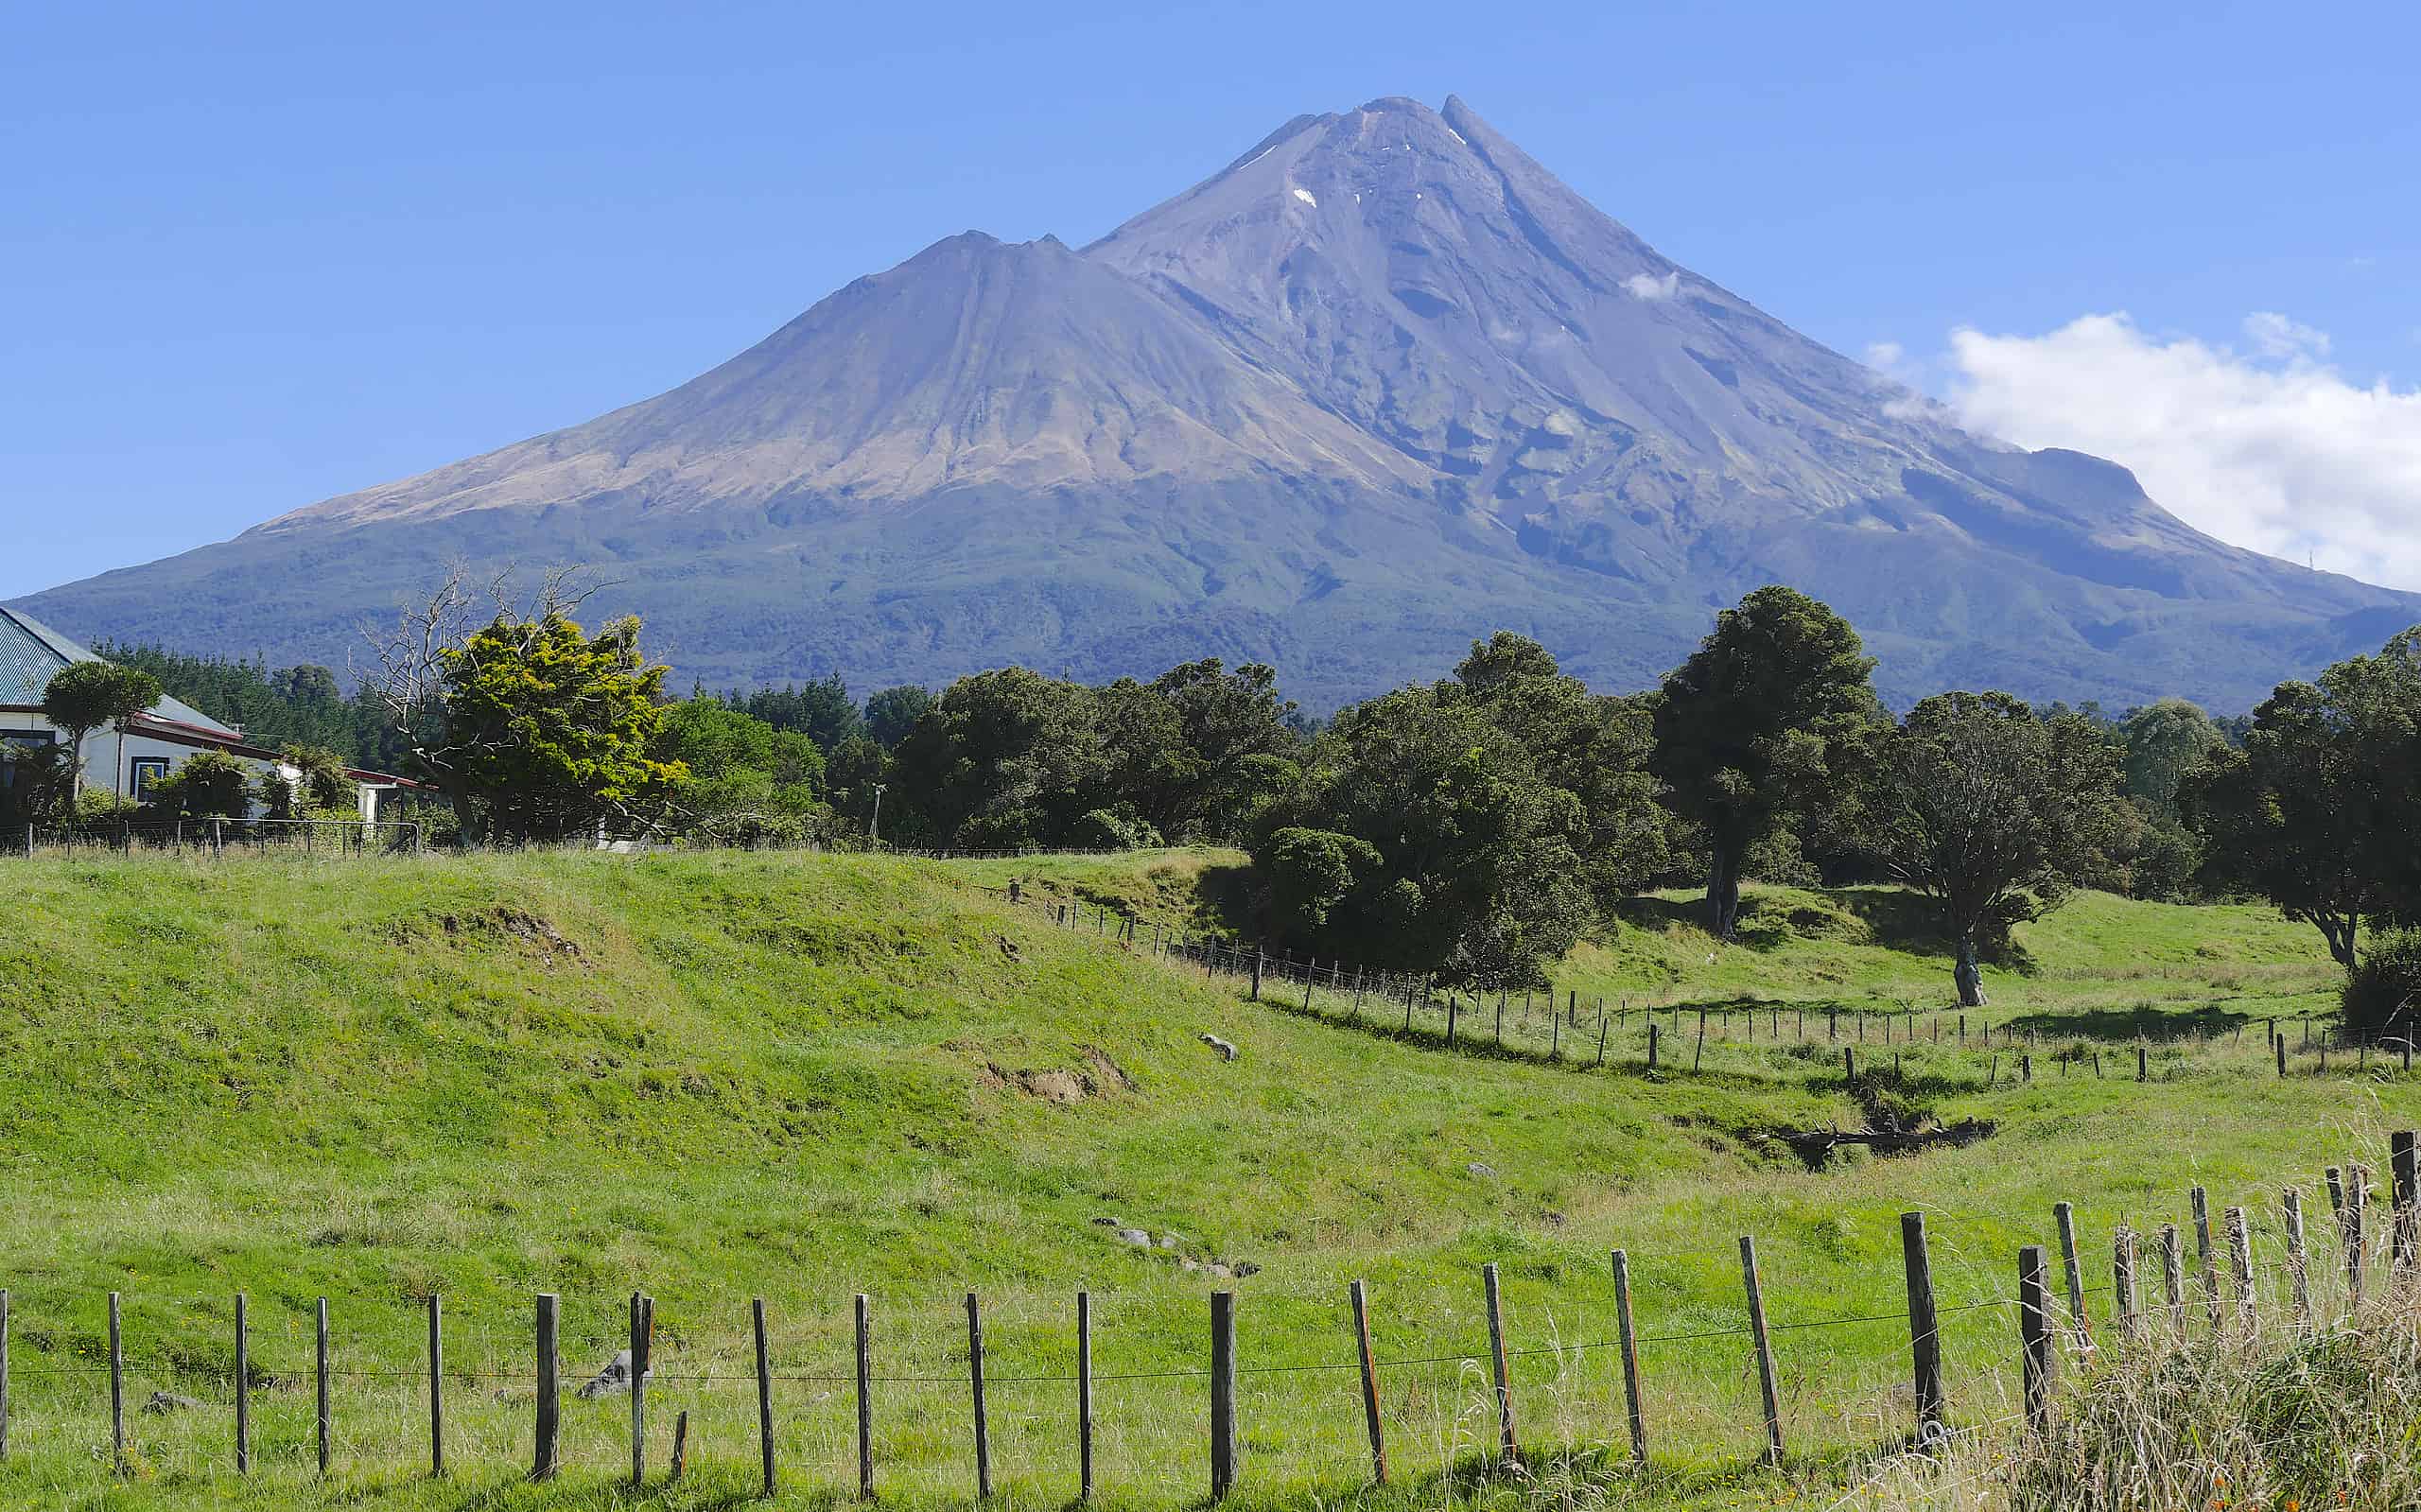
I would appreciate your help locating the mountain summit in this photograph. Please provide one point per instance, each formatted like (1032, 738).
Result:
(1379, 387)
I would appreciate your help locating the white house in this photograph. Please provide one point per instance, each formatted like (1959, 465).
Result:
(151, 745)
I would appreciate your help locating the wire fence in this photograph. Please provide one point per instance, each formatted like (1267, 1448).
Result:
(1297, 1392)
(1557, 1026)
(223, 836)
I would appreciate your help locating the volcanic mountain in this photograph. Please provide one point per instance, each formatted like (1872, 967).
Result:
(1381, 386)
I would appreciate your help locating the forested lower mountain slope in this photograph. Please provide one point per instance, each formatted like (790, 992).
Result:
(1381, 386)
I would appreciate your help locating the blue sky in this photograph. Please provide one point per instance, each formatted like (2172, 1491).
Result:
(256, 255)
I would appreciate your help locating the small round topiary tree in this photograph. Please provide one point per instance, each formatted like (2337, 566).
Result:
(2382, 994)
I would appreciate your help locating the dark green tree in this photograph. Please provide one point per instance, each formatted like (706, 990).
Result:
(1593, 746)
(822, 710)
(2320, 812)
(1006, 759)
(1997, 815)
(82, 697)
(1236, 747)
(1751, 730)
(1421, 837)
(892, 713)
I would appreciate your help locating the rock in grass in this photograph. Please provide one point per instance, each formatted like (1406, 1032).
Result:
(165, 1402)
(1227, 1051)
(1135, 1237)
(612, 1380)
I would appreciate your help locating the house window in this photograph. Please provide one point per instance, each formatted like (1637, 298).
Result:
(148, 770)
(15, 741)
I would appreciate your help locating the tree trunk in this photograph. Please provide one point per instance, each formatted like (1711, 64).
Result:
(1723, 894)
(1969, 976)
(2340, 933)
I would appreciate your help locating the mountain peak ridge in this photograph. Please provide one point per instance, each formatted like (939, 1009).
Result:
(1380, 385)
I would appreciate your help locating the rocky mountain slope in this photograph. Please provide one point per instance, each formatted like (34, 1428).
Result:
(1380, 386)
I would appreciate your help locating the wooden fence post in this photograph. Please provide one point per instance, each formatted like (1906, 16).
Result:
(243, 1389)
(2402, 1163)
(1628, 1337)
(436, 1386)
(1371, 1415)
(764, 1397)
(2358, 1215)
(642, 1326)
(1223, 1394)
(2240, 1265)
(2172, 1275)
(1651, 1044)
(1509, 1450)
(118, 1390)
(1763, 1346)
(2063, 1218)
(2122, 1281)
(1083, 1397)
(975, 1380)
(320, 1383)
(865, 1399)
(2298, 1272)
(1925, 1336)
(2278, 1047)
(2204, 1261)
(2034, 1335)
(546, 1458)
(680, 1447)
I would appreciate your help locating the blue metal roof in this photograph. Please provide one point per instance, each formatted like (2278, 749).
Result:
(31, 654)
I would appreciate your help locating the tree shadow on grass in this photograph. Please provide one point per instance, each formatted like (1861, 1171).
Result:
(1224, 899)
(1890, 918)
(2139, 1023)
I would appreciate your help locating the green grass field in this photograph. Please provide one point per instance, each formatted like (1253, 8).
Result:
(792, 1077)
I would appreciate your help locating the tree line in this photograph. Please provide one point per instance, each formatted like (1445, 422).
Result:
(1472, 830)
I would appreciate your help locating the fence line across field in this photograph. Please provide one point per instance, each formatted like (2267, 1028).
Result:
(226, 837)
(1419, 999)
(2055, 1335)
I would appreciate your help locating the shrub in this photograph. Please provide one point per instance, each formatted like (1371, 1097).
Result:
(2383, 991)
(1107, 829)
(211, 784)
(97, 810)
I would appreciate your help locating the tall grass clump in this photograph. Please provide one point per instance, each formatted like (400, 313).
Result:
(2276, 1417)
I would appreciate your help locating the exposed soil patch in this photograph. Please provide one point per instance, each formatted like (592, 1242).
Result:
(1063, 1087)
(1109, 1070)
(533, 933)
(1894, 1126)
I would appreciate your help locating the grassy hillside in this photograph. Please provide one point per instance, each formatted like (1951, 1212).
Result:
(728, 1076)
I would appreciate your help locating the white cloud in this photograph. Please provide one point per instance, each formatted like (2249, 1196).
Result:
(2270, 448)
(1647, 285)
(2284, 341)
